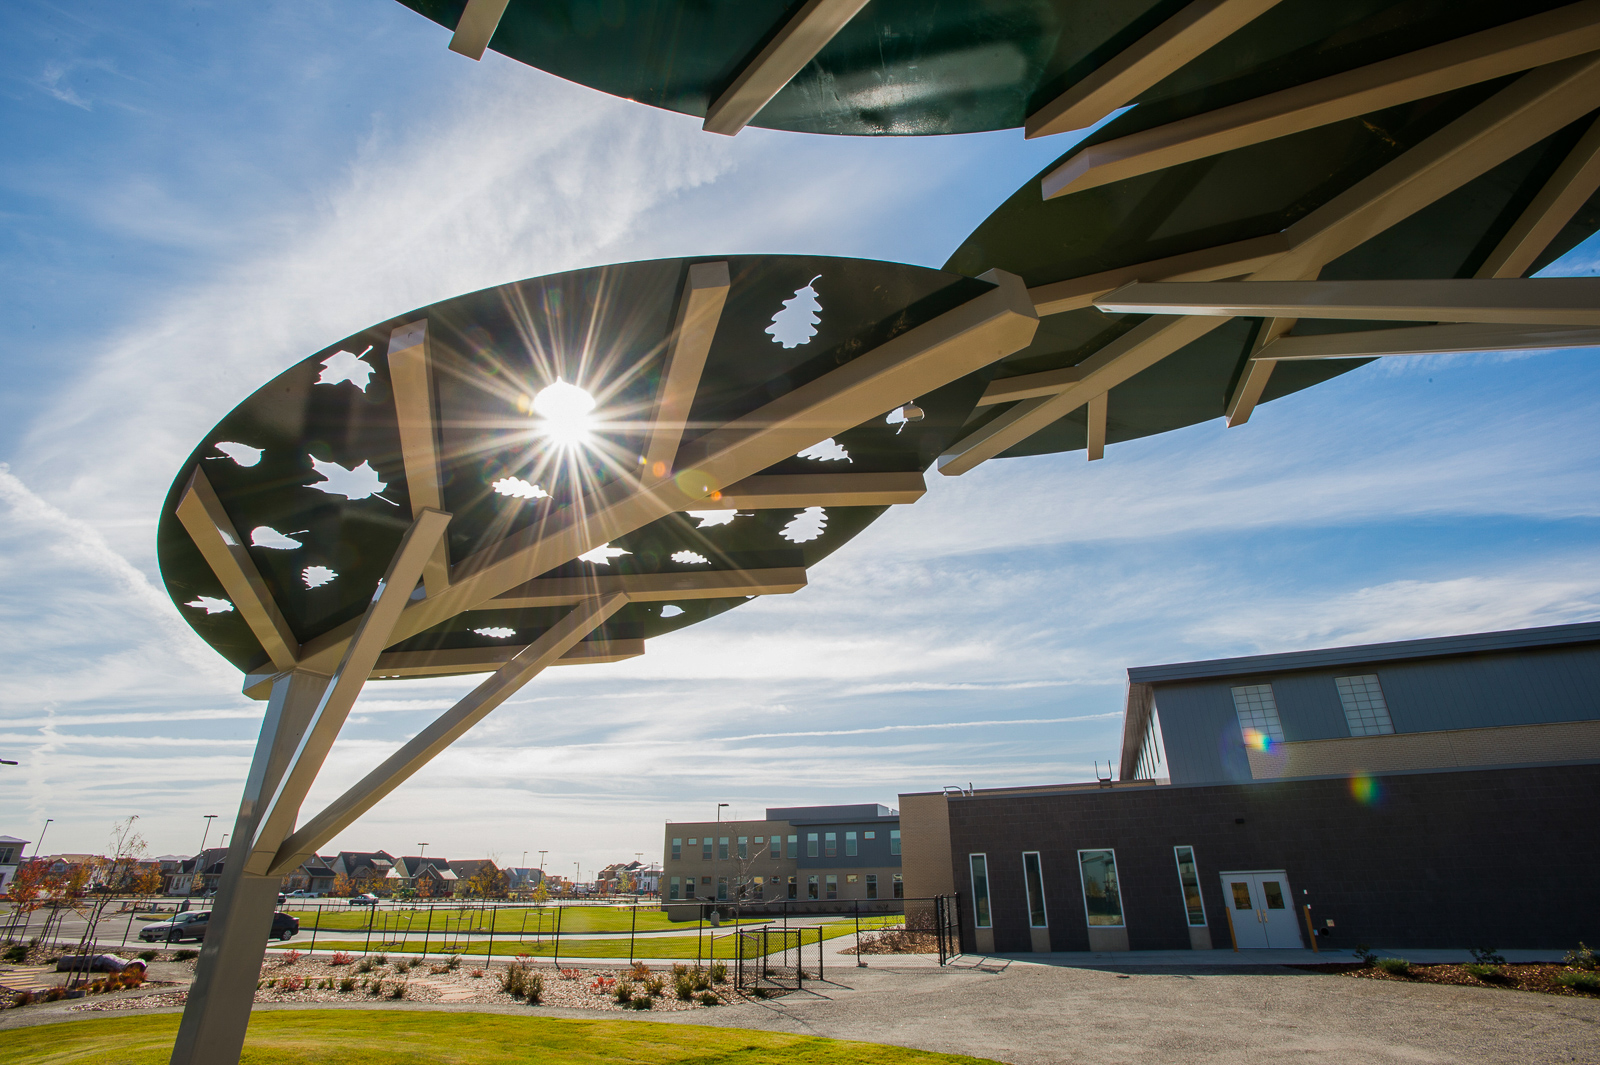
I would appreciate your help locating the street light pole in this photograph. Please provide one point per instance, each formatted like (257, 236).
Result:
(200, 859)
(37, 846)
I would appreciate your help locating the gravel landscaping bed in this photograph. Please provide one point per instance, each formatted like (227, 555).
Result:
(1545, 978)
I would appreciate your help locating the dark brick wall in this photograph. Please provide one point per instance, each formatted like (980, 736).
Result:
(1492, 858)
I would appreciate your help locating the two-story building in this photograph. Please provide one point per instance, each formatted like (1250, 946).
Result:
(11, 849)
(1425, 793)
(825, 857)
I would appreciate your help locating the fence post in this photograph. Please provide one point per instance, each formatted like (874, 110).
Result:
(860, 963)
(559, 908)
(314, 928)
(632, 928)
(372, 915)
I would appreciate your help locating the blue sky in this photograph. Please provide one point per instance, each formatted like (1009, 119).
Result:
(194, 196)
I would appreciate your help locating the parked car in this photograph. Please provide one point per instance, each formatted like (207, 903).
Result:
(369, 899)
(192, 925)
(304, 894)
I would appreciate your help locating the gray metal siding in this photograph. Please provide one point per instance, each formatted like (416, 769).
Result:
(1203, 743)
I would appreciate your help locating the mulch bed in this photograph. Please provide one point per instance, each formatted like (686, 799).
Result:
(1540, 978)
(896, 941)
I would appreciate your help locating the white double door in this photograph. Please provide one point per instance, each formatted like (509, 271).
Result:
(1262, 908)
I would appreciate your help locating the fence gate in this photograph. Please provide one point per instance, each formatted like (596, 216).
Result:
(774, 958)
(947, 925)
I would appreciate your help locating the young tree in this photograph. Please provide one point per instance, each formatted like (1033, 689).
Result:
(343, 887)
(487, 882)
(541, 891)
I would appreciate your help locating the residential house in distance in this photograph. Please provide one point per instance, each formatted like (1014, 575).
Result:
(11, 849)
(522, 880)
(429, 877)
(366, 870)
(479, 876)
(1423, 793)
(200, 874)
(313, 875)
(170, 865)
(826, 858)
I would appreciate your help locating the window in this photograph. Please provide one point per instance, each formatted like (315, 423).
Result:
(677, 849)
(676, 890)
(1102, 899)
(1189, 880)
(1365, 710)
(850, 844)
(833, 885)
(852, 878)
(775, 848)
(872, 885)
(811, 844)
(744, 847)
(894, 841)
(705, 850)
(794, 846)
(980, 889)
(871, 834)
(793, 892)
(1258, 715)
(1033, 877)
(899, 887)
(722, 889)
(811, 886)
(722, 848)
(830, 844)
(705, 880)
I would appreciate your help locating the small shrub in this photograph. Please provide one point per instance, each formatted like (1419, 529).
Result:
(375, 987)
(340, 958)
(642, 1002)
(683, 987)
(680, 969)
(454, 963)
(291, 983)
(709, 998)
(719, 972)
(640, 971)
(26, 998)
(1485, 972)
(365, 965)
(514, 980)
(1395, 966)
(290, 957)
(399, 989)
(148, 955)
(272, 981)
(380, 959)
(759, 992)
(571, 974)
(347, 984)
(655, 986)
(1365, 956)
(1582, 958)
(533, 987)
(402, 965)
(476, 974)
(435, 970)
(185, 955)
(16, 953)
(623, 991)
(55, 994)
(1485, 956)
(1580, 981)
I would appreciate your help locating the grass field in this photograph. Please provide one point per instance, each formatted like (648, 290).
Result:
(672, 947)
(530, 919)
(399, 1037)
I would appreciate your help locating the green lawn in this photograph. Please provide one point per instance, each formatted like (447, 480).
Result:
(652, 947)
(450, 918)
(400, 1037)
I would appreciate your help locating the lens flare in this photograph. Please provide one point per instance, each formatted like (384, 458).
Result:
(1365, 790)
(565, 409)
(1257, 740)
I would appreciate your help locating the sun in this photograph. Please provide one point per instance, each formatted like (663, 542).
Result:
(564, 411)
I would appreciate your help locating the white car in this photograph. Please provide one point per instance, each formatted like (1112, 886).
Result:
(302, 894)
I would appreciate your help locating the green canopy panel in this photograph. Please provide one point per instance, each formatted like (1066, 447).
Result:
(908, 67)
(310, 470)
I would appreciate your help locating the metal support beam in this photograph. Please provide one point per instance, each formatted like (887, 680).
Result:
(1493, 53)
(1257, 371)
(456, 661)
(1568, 189)
(1428, 340)
(411, 381)
(445, 730)
(1097, 425)
(1030, 386)
(1140, 348)
(818, 490)
(705, 292)
(220, 997)
(476, 27)
(1207, 264)
(1552, 301)
(1157, 54)
(983, 330)
(797, 43)
(361, 654)
(652, 587)
(224, 550)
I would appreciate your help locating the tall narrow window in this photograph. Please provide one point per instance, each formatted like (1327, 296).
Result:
(1033, 876)
(872, 885)
(811, 844)
(775, 847)
(899, 887)
(677, 888)
(830, 844)
(677, 849)
(744, 847)
(722, 848)
(850, 844)
(832, 885)
(980, 889)
(1189, 881)
(705, 849)
(793, 888)
(1102, 898)
(811, 886)
(1258, 716)
(722, 889)
(794, 846)
(894, 841)
(1365, 709)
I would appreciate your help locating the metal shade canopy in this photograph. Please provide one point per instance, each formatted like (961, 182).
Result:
(1172, 294)
(905, 67)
